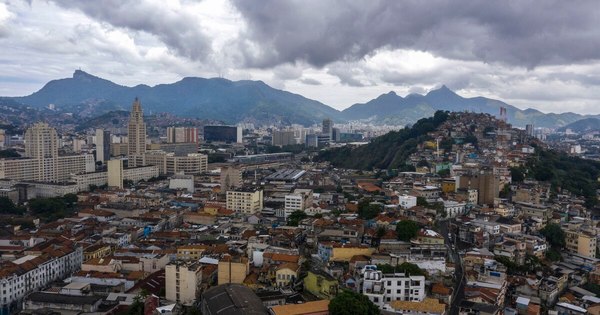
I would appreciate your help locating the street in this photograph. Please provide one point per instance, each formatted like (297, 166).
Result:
(459, 284)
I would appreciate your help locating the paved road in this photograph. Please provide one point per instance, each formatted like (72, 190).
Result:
(459, 282)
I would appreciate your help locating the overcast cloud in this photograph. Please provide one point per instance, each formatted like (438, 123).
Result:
(540, 54)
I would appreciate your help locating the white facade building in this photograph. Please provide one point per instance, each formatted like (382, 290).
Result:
(454, 208)
(383, 288)
(36, 270)
(407, 202)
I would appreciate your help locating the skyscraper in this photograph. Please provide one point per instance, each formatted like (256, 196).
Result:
(102, 145)
(41, 144)
(136, 130)
(41, 141)
(327, 128)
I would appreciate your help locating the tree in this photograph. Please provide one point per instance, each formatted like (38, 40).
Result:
(411, 269)
(554, 235)
(553, 255)
(295, 218)
(368, 211)
(517, 174)
(422, 202)
(8, 207)
(350, 303)
(406, 230)
(445, 172)
(406, 267)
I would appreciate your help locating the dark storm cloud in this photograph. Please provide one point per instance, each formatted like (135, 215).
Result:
(178, 29)
(522, 33)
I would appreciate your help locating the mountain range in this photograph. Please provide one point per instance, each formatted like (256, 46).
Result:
(583, 125)
(256, 102)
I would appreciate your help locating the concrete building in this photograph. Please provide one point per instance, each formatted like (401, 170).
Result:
(42, 162)
(247, 201)
(231, 299)
(102, 145)
(233, 269)
(181, 181)
(484, 181)
(62, 303)
(47, 169)
(115, 173)
(136, 131)
(169, 163)
(283, 137)
(383, 288)
(182, 134)
(41, 142)
(299, 200)
(230, 178)
(580, 241)
(182, 282)
(43, 264)
(230, 134)
(327, 127)
(407, 202)
(134, 174)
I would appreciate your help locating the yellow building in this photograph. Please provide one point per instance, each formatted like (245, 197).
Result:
(211, 209)
(581, 242)
(245, 201)
(345, 253)
(96, 251)
(449, 185)
(182, 282)
(233, 269)
(115, 173)
(428, 306)
(321, 284)
(286, 274)
(191, 252)
(320, 307)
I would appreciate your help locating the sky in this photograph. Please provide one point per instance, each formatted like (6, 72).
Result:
(531, 54)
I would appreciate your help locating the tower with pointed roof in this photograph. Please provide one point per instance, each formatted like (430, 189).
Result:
(136, 131)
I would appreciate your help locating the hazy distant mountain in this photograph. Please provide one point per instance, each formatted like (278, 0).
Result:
(393, 109)
(219, 99)
(254, 101)
(583, 125)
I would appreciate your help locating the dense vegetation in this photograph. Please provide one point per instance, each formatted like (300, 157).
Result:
(406, 230)
(574, 174)
(405, 267)
(8, 207)
(52, 209)
(389, 151)
(349, 302)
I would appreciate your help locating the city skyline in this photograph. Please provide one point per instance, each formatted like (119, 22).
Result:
(539, 55)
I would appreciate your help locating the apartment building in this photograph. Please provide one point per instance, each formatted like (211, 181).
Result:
(182, 282)
(135, 174)
(55, 169)
(42, 264)
(382, 288)
(247, 201)
(169, 163)
(299, 200)
(581, 241)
